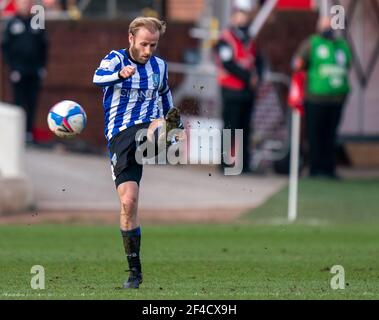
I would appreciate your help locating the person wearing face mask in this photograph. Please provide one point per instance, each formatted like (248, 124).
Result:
(326, 59)
(239, 70)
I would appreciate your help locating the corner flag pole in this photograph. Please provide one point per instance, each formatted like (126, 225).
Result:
(324, 8)
(294, 166)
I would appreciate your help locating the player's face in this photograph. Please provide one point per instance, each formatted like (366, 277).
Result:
(143, 44)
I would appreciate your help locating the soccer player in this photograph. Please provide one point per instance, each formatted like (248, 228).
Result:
(136, 91)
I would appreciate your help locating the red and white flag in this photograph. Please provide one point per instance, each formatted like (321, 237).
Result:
(296, 91)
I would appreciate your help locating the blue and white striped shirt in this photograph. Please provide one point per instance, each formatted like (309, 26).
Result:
(140, 99)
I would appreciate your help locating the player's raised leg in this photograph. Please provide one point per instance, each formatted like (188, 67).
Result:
(131, 231)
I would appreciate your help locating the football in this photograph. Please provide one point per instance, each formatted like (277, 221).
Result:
(67, 119)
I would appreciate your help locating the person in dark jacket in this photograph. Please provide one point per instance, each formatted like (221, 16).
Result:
(24, 49)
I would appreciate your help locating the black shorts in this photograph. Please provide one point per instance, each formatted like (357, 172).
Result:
(122, 149)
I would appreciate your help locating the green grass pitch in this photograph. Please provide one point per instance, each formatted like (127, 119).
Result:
(258, 257)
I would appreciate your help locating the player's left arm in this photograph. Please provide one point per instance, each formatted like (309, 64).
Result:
(165, 93)
(170, 113)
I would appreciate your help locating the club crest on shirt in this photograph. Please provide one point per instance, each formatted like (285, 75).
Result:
(155, 80)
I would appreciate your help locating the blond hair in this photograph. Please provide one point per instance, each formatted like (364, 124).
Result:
(150, 23)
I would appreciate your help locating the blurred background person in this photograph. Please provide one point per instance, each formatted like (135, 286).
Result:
(71, 6)
(58, 9)
(239, 70)
(326, 59)
(52, 5)
(25, 52)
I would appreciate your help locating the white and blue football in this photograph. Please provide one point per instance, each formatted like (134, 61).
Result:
(67, 119)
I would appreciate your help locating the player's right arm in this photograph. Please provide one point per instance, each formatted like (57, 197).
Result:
(110, 71)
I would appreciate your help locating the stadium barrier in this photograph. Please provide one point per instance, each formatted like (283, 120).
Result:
(15, 189)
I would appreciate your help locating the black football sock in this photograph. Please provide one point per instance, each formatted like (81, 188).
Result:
(132, 243)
